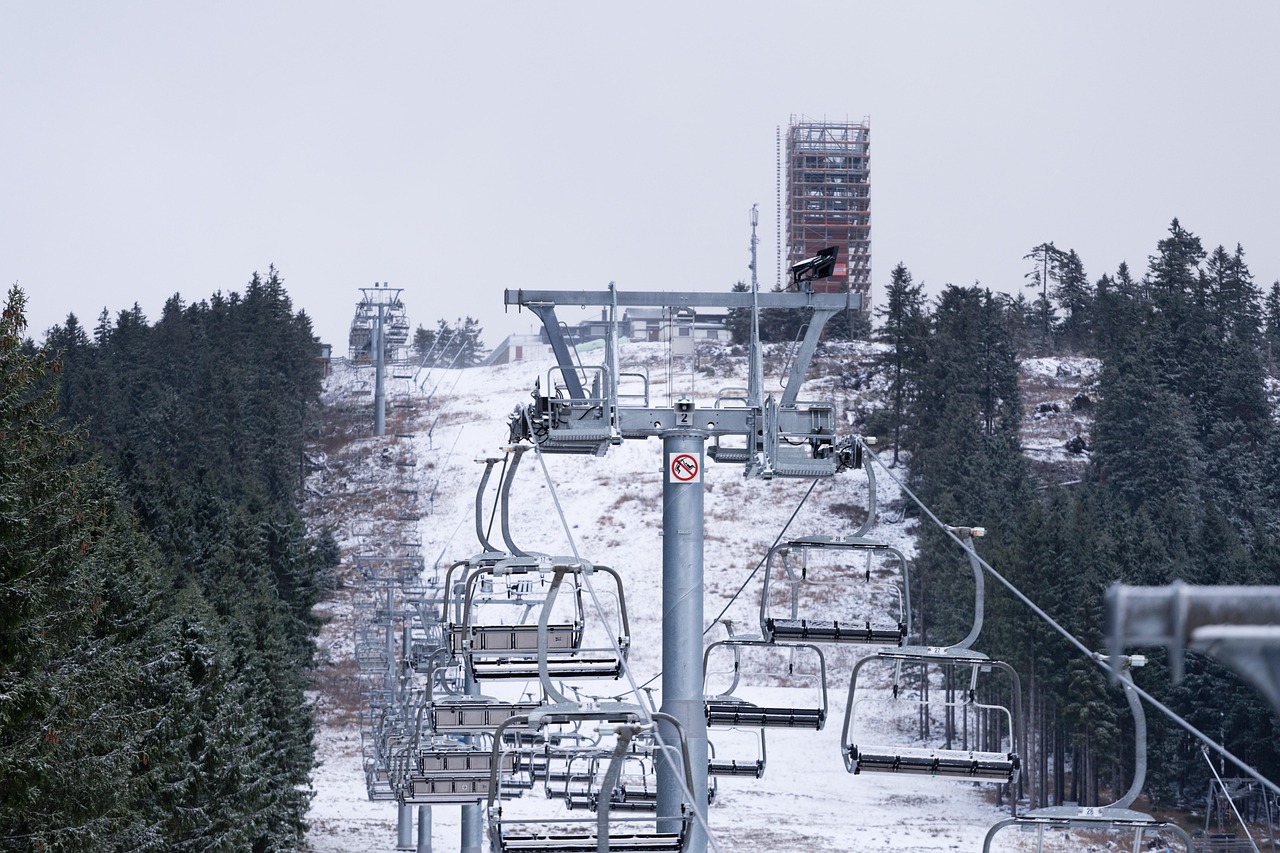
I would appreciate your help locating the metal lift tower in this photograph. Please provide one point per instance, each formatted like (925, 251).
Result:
(579, 411)
(378, 329)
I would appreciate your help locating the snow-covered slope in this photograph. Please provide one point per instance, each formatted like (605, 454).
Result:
(806, 800)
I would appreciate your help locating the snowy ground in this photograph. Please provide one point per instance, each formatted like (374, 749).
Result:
(806, 801)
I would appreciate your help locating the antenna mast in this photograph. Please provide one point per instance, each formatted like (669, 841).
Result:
(755, 379)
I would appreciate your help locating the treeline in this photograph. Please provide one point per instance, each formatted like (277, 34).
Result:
(784, 325)
(158, 580)
(1183, 482)
(449, 345)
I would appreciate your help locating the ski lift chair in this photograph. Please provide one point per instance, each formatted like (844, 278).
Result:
(635, 789)
(568, 419)
(995, 765)
(1117, 815)
(446, 771)
(606, 830)
(726, 709)
(458, 713)
(996, 729)
(530, 637)
(731, 398)
(797, 583)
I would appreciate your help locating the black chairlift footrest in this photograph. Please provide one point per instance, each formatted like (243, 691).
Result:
(721, 713)
(642, 802)
(816, 631)
(558, 666)
(958, 763)
(728, 767)
(641, 842)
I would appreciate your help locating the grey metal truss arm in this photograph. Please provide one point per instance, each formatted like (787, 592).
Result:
(543, 303)
(807, 348)
(546, 312)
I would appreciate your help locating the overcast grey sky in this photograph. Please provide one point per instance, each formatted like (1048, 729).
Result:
(458, 149)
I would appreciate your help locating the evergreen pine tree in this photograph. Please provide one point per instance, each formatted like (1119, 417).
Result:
(903, 329)
(1075, 297)
(1047, 259)
(738, 320)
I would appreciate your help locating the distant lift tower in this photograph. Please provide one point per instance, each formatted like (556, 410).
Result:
(828, 168)
(580, 410)
(379, 330)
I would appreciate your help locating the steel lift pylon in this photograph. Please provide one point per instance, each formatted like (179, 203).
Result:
(579, 410)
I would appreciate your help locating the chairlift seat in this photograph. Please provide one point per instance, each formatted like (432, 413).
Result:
(580, 800)
(837, 543)
(622, 801)
(794, 462)
(960, 763)
(543, 769)
(488, 642)
(490, 638)
(730, 455)
(1083, 816)
(735, 712)
(821, 631)
(378, 784)
(461, 762)
(457, 790)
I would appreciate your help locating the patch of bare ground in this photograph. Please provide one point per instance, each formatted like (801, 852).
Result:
(766, 840)
(1058, 396)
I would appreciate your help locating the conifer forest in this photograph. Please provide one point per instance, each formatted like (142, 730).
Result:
(158, 578)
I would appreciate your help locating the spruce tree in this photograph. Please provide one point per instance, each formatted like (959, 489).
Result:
(1075, 297)
(86, 673)
(738, 320)
(1047, 262)
(903, 329)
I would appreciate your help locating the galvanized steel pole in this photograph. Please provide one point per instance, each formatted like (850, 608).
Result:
(473, 817)
(380, 373)
(682, 592)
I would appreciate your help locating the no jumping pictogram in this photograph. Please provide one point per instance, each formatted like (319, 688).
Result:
(685, 468)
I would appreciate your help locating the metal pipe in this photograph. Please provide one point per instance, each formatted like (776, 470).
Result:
(380, 375)
(682, 617)
(473, 816)
(404, 827)
(424, 829)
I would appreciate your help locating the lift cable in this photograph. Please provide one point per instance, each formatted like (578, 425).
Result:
(626, 668)
(759, 565)
(1101, 662)
(1222, 787)
(750, 577)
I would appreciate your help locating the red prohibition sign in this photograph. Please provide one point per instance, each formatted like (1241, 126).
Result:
(684, 467)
